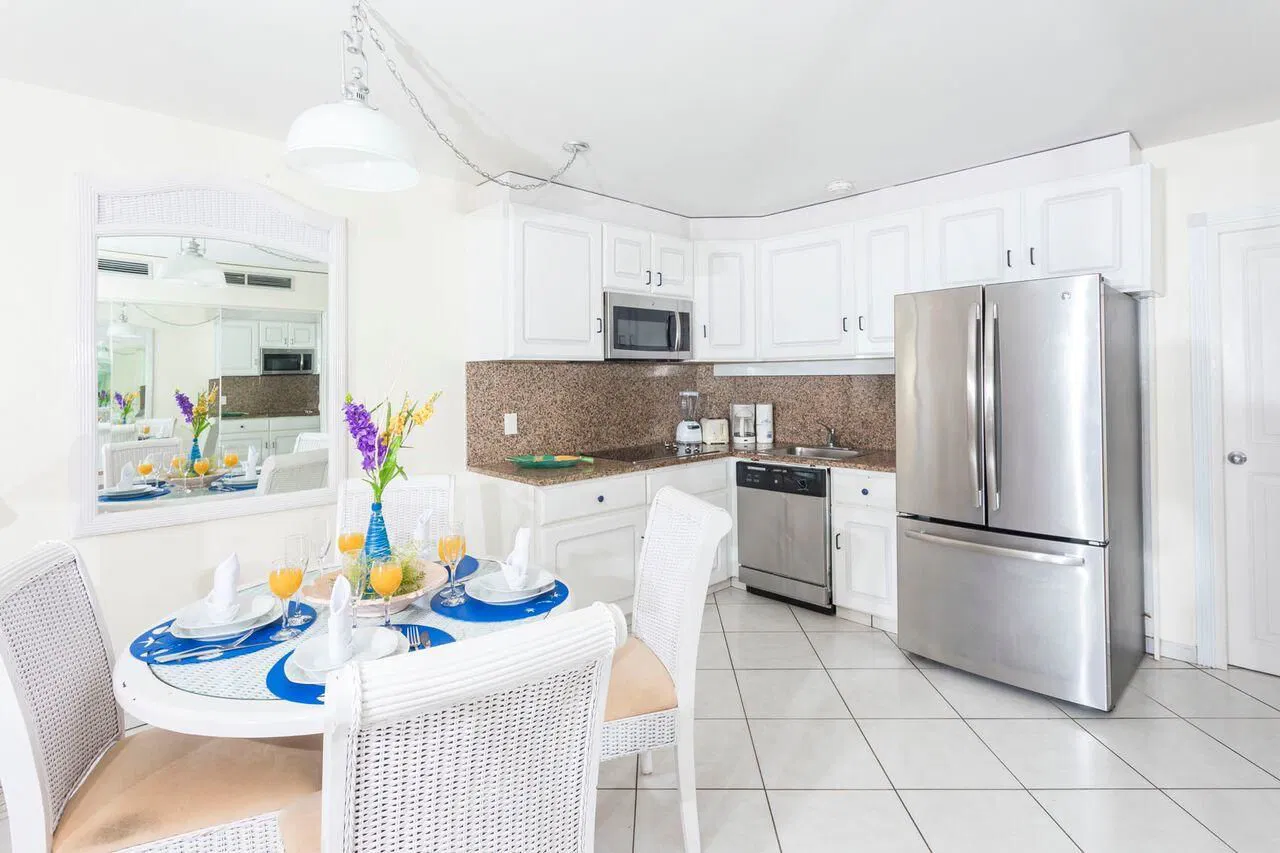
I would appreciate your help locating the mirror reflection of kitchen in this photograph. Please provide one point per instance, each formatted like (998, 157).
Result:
(211, 374)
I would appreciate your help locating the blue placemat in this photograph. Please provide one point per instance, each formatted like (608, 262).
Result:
(111, 499)
(282, 687)
(473, 610)
(467, 567)
(159, 641)
(219, 486)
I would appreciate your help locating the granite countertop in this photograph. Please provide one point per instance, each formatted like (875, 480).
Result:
(245, 416)
(872, 460)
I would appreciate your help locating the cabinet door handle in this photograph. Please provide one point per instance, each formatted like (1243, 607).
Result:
(704, 330)
(659, 278)
(648, 278)
(844, 323)
(599, 325)
(1033, 256)
(1008, 258)
(837, 541)
(862, 327)
(600, 499)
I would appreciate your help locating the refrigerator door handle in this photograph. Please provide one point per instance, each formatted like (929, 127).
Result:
(991, 401)
(996, 550)
(972, 422)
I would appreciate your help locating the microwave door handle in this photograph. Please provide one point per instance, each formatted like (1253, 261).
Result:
(671, 334)
(675, 318)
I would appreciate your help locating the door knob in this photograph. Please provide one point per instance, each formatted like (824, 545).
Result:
(1235, 457)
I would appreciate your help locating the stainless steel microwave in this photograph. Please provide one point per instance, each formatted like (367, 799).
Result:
(276, 362)
(647, 327)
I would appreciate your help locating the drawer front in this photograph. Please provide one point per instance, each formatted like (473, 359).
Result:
(693, 479)
(861, 488)
(243, 425)
(579, 500)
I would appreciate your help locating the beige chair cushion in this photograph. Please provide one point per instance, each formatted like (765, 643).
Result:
(638, 683)
(300, 825)
(157, 784)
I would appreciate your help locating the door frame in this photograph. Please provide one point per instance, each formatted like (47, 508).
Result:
(1209, 507)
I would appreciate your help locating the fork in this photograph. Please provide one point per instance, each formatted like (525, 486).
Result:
(220, 649)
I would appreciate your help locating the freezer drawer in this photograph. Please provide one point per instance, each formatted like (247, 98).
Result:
(1027, 612)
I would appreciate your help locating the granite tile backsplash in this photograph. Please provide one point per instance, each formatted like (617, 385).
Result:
(266, 396)
(574, 407)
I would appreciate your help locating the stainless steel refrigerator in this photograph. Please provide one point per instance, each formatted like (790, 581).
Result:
(1019, 484)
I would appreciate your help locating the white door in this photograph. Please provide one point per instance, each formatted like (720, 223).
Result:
(596, 556)
(806, 295)
(303, 335)
(237, 348)
(672, 266)
(724, 301)
(628, 259)
(1249, 265)
(864, 565)
(888, 259)
(1089, 225)
(274, 333)
(974, 241)
(558, 306)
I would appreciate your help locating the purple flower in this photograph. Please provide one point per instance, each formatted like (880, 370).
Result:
(365, 432)
(184, 403)
(119, 398)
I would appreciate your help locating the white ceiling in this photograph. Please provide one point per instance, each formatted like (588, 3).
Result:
(699, 107)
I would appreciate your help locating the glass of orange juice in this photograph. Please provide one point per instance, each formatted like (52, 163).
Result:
(146, 467)
(177, 463)
(451, 548)
(200, 466)
(146, 429)
(230, 458)
(385, 578)
(284, 580)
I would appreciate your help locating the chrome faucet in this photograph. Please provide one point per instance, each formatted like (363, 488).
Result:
(831, 434)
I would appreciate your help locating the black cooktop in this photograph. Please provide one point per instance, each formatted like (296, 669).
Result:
(651, 452)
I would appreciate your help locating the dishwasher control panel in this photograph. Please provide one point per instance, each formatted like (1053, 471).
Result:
(783, 478)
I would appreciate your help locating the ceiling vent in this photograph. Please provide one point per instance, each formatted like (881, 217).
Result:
(240, 279)
(124, 267)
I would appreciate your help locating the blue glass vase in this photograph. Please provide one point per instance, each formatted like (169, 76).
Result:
(377, 547)
(195, 452)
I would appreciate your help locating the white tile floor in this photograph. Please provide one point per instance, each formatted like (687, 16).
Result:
(816, 734)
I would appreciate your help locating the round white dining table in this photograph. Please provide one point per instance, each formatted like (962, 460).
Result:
(229, 698)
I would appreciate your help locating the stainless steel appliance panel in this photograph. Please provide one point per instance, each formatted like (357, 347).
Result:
(1043, 408)
(647, 327)
(1026, 612)
(784, 521)
(938, 352)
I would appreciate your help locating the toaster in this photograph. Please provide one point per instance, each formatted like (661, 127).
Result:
(715, 430)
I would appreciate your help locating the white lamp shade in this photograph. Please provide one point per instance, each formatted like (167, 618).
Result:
(195, 268)
(351, 146)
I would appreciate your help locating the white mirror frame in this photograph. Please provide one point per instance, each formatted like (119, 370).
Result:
(233, 211)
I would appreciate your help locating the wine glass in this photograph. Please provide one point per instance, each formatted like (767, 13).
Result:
(284, 580)
(385, 578)
(146, 467)
(297, 552)
(321, 541)
(230, 459)
(451, 548)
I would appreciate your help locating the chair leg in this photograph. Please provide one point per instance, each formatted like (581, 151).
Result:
(646, 762)
(688, 784)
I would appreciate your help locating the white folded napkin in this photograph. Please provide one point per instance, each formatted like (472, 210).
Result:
(128, 476)
(422, 531)
(516, 566)
(251, 462)
(341, 620)
(221, 600)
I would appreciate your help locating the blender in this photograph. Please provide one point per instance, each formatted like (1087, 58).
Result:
(688, 430)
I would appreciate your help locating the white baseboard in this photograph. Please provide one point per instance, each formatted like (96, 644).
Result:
(1177, 651)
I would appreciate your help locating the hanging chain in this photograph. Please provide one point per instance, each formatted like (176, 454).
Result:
(360, 24)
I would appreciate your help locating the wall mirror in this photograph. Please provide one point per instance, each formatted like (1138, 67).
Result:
(213, 355)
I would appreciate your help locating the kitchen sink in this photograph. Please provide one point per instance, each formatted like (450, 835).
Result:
(819, 452)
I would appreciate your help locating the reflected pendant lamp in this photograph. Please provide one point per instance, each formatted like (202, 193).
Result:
(190, 264)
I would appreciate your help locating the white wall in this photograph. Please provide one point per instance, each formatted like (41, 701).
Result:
(1223, 172)
(404, 276)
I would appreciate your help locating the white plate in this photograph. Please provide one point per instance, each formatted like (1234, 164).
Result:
(129, 491)
(221, 632)
(493, 588)
(295, 674)
(240, 480)
(196, 620)
(312, 657)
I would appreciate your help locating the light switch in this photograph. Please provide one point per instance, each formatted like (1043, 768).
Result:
(509, 424)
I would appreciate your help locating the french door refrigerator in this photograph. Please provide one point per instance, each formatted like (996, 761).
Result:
(1019, 484)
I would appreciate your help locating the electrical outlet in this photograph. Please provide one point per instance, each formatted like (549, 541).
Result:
(222, 399)
(509, 426)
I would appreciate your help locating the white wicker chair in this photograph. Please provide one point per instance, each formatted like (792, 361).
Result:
(293, 472)
(114, 456)
(311, 441)
(651, 690)
(72, 782)
(403, 502)
(157, 427)
(492, 745)
(210, 448)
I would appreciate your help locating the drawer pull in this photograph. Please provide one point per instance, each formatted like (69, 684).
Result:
(599, 498)
(866, 491)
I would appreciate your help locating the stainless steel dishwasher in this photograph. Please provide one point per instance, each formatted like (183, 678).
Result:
(784, 529)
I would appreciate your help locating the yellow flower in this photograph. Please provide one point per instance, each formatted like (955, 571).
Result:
(397, 426)
(423, 413)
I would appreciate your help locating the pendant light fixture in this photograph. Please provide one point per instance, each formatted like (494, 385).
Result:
(352, 146)
(190, 264)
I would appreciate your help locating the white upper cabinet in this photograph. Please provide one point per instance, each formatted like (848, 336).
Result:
(304, 335)
(806, 295)
(888, 257)
(1092, 225)
(557, 302)
(237, 344)
(283, 334)
(974, 241)
(672, 266)
(724, 322)
(628, 259)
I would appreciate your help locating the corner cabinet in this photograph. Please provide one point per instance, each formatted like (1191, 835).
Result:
(596, 555)
(534, 285)
(724, 297)
(864, 563)
(888, 259)
(973, 241)
(806, 295)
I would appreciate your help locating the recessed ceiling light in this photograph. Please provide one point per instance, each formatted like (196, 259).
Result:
(840, 186)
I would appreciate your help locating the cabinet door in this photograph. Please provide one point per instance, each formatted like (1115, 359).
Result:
(672, 266)
(974, 241)
(721, 570)
(238, 348)
(274, 334)
(282, 441)
(724, 301)
(240, 442)
(628, 259)
(863, 560)
(303, 335)
(888, 259)
(806, 295)
(596, 555)
(557, 305)
(1090, 225)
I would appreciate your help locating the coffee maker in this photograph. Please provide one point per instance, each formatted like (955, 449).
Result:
(742, 420)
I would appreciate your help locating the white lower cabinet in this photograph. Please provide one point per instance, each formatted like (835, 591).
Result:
(596, 555)
(864, 565)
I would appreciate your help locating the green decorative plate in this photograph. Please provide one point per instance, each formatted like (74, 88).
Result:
(546, 460)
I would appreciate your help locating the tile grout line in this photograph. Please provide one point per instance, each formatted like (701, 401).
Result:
(1213, 673)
